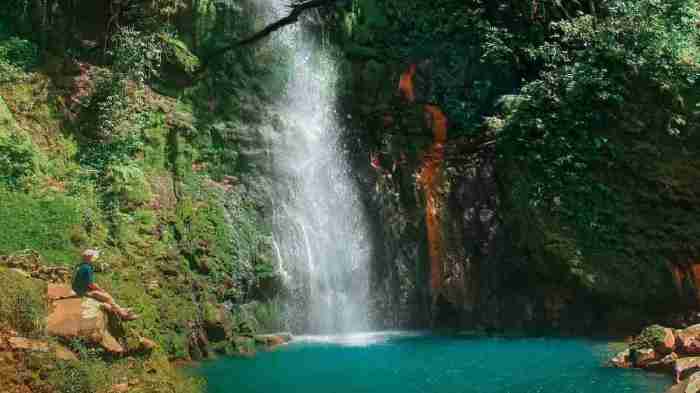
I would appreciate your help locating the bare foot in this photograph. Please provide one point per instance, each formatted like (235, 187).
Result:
(129, 316)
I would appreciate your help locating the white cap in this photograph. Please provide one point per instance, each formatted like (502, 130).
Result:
(91, 254)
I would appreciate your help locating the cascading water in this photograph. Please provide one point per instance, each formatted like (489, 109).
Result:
(320, 230)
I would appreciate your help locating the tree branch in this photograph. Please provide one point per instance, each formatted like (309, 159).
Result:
(297, 9)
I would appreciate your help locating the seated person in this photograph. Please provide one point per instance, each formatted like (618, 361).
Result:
(84, 285)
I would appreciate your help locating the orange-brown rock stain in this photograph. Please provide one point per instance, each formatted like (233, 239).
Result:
(429, 178)
(685, 276)
(406, 84)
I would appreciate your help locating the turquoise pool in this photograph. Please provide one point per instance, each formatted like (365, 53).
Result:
(409, 362)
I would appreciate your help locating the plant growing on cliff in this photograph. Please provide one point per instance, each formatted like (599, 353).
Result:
(18, 160)
(16, 57)
(136, 56)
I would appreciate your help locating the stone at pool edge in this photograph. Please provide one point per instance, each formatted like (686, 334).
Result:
(693, 385)
(273, 340)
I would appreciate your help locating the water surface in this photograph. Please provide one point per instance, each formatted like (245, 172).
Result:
(408, 363)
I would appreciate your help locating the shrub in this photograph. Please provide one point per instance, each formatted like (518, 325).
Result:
(19, 53)
(136, 55)
(16, 57)
(22, 304)
(80, 377)
(18, 159)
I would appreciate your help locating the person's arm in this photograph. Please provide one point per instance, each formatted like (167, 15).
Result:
(92, 285)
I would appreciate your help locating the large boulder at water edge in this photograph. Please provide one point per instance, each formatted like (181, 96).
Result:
(665, 364)
(273, 340)
(75, 317)
(622, 359)
(693, 385)
(660, 339)
(687, 366)
(688, 340)
(643, 357)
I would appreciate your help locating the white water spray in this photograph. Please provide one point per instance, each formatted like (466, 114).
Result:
(320, 229)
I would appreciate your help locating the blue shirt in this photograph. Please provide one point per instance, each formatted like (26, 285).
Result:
(84, 276)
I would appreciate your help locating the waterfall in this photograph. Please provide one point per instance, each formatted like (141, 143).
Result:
(321, 234)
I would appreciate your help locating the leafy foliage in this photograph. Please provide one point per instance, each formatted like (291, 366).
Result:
(18, 159)
(22, 306)
(136, 56)
(16, 57)
(559, 128)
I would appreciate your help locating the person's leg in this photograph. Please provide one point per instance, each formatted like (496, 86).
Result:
(107, 299)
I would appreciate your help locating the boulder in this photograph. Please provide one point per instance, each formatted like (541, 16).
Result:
(643, 357)
(688, 340)
(657, 337)
(693, 383)
(57, 292)
(666, 345)
(25, 344)
(120, 388)
(63, 353)
(82, 318)
(665, 364)
(273, 340)
(622, 359)
(686, 366)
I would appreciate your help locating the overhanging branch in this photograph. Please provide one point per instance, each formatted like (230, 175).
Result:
(297, 9)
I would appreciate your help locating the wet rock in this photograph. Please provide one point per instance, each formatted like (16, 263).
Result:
(643, 357)
(273, 340)
(664, 365)
(622, 359)
(686, 366)
(667, 344)
(245, 346)
(693, 383)
(688, 340)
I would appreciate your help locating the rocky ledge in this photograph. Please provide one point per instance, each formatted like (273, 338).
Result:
(662, 349)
